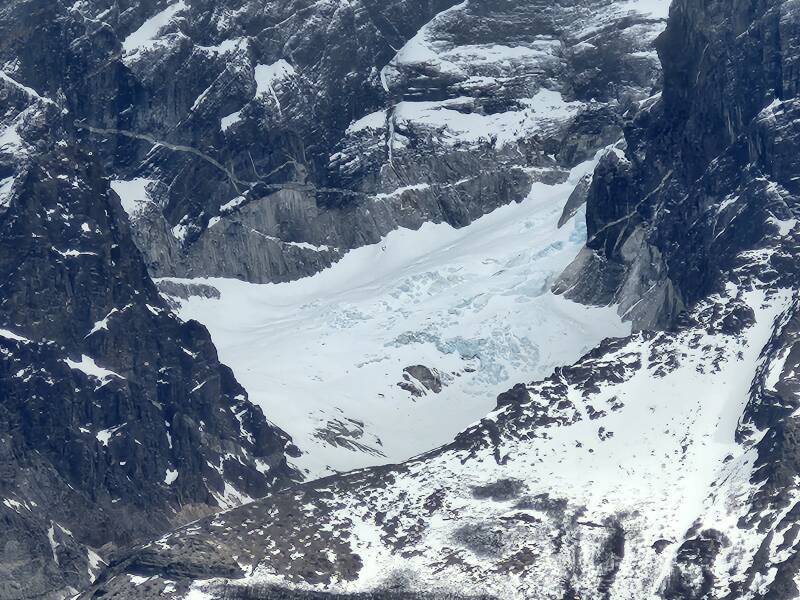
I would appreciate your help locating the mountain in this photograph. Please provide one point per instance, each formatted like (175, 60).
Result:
(265, 143)
(118, 420)
(659, 465)
(245, 244)
(174, 142)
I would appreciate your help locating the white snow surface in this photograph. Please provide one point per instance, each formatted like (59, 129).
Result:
(660, 457)
(170, 476)
(227, 46)
(228, 121)
(328, 351)
(11, 141)
(13, 336)
(459, 127)
(133, 194)
(374, 120)
(90, 367)
(6, 186)
(144, 37)
(655, 9)
(266, 76)
(95, 564)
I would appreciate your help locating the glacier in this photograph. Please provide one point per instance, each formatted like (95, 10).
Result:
(323, 355)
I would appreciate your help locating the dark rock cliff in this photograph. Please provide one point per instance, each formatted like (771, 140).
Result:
(117, 420)
(709, 169)
(705, 199)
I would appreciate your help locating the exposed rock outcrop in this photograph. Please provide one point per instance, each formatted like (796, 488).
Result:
(706, 173)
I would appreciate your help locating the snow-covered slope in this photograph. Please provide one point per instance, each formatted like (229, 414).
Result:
(580, 485)
(325, 356)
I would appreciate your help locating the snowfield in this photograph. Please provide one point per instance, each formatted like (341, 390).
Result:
(323, 356)
(591, 481)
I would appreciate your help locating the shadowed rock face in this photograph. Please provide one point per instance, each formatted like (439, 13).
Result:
(273, 137)
(117, 420)
(706, 166)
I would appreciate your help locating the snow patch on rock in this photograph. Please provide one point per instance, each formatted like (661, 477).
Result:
(145, 35)
(133, 194)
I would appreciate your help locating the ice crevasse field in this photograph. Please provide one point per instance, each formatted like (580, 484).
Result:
(323, 356)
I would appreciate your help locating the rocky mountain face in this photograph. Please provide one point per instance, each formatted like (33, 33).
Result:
(117, 421)
(263, 141)
(660, 465)
(719, 131)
